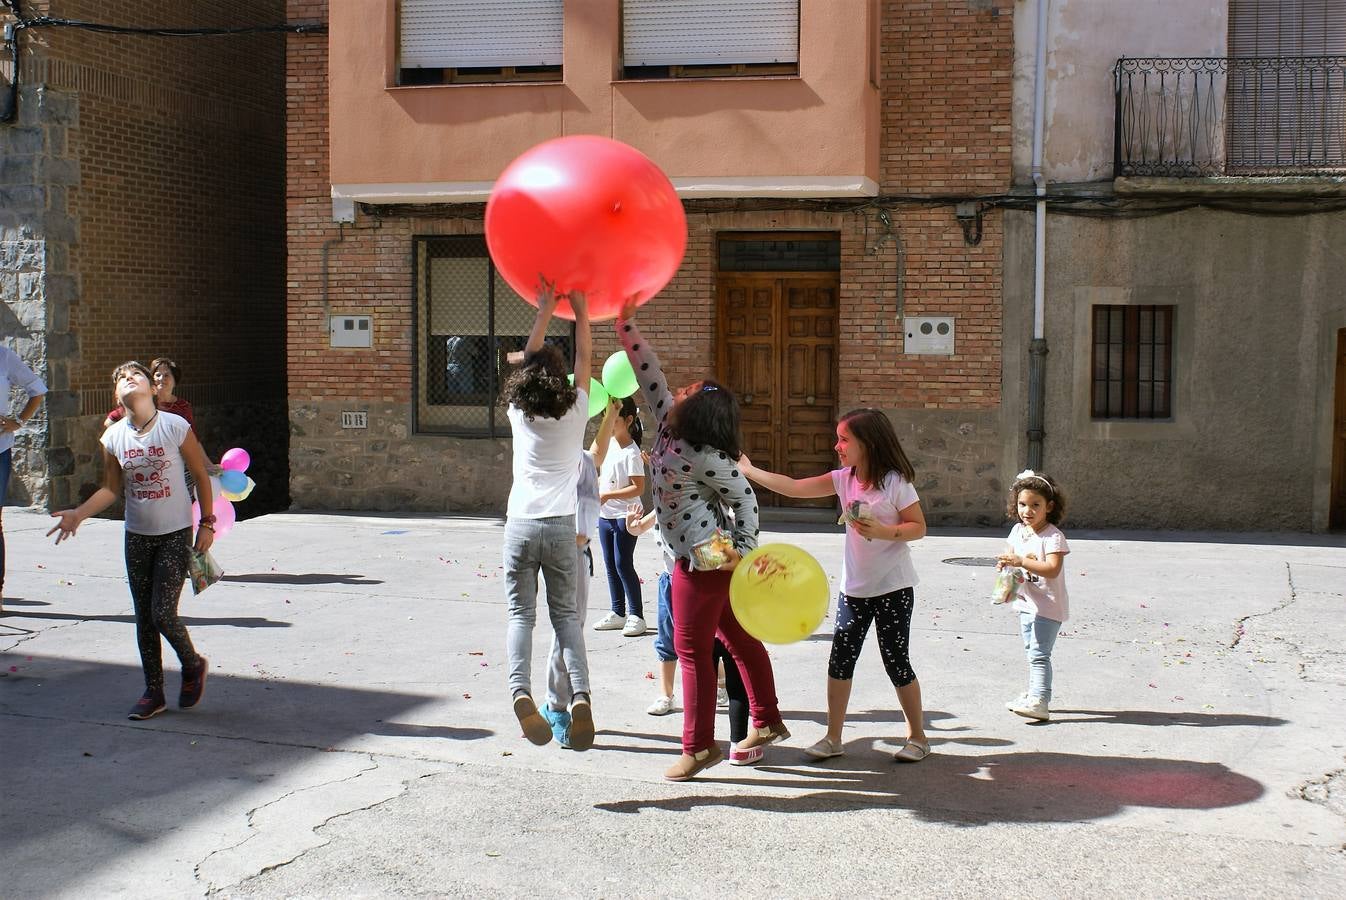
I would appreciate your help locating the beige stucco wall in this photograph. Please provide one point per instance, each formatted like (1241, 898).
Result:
(1085, 38)
(1258, 304)
(822, 124)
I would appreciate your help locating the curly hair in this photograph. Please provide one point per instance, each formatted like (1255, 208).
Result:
(1045, 487)
(539, 386)
(708, 415)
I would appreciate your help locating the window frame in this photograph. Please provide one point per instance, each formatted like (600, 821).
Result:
(1132, 373)
(699, 71)
(497, 425)
(522, 72)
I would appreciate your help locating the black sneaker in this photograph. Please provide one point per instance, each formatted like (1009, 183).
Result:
(193, 684)
(148, 706)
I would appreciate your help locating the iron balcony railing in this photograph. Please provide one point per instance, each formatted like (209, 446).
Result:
(1194, 117)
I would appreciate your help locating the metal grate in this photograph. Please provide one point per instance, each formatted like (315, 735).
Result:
(1132, 362)
(468, 322)
(769, 255)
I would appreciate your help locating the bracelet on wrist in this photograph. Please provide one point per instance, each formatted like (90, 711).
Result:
(208, 526)
(207, 520)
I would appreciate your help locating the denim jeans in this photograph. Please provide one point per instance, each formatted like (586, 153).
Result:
(559, 693)
(1039, 637)
(619, 549)
(663, 639)
(547, 545)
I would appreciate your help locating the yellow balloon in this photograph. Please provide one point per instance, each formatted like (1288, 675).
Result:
(779, 593)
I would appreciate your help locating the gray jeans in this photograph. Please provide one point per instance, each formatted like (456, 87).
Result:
(549, 545)
(559, 693)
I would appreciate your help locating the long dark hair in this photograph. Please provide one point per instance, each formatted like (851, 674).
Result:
(629, 411)
(539, 386)
(883, 451)
(707, 415)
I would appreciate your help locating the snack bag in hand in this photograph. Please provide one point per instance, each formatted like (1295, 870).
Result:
(712, 553)
(203, 570)
(1006, 585)
(856, 511)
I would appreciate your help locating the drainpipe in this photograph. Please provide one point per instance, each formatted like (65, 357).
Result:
(1037, 349)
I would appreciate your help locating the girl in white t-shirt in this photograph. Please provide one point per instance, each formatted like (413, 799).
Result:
(621, 481)
(882, 514)
(1038, 547)
(145, 457)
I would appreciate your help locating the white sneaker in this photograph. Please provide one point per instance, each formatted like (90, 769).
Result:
(1033, 708)
(721, 697)
(610, 622)
(661, 707)
(1016, 702)
(635, 627)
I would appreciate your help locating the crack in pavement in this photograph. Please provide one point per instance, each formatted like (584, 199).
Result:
(212, 889)
(1239, 623)
(38, 632)
(1327, 791)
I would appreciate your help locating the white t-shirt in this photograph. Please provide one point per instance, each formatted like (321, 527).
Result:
(586, 497)
(545, 471)
(619, 466)
(872, 568)
(14, 373)
(153, 473)
(1044, 597)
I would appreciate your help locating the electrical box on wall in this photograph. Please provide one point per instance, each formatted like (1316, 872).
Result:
(352, 331)
(930, 335)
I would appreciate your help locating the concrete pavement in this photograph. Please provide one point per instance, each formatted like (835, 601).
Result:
(356, 737)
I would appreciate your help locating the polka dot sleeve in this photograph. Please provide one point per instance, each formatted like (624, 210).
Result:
(646, 366)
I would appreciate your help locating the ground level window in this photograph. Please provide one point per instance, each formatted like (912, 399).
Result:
(1133, 362)
(468, 320)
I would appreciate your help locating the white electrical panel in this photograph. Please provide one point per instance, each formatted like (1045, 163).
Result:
(352, 331)
(931, 335)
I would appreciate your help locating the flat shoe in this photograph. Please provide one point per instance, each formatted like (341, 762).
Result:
(581, 726)
(912, 751)
(825, 749)
(689, 765)
(535, 728)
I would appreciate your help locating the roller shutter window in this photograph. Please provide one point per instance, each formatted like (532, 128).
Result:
(657, 33)
(478, 36)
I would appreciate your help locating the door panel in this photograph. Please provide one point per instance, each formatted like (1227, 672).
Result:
(1337, 514)
(777, 352)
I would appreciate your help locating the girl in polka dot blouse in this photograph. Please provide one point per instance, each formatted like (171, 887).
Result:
(699, 492)
(882, 514)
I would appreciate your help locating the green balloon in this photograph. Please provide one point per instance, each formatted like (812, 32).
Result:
(598, 397)
(618, 376)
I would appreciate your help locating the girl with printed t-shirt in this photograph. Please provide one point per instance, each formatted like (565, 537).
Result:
(882, 514)
(145, 458)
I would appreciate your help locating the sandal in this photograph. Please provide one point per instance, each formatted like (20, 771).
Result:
(912, 751)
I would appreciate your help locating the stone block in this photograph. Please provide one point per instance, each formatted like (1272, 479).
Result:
(21, 197)
(62, 288)
(62, 345)
(60, 227)
(56, 107)
(61, 404)
(22, 141)
(17, 170)
(30, 286)
(58, 171)
(60, 461)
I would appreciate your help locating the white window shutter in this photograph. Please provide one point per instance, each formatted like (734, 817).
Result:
(709, 32)
(455, 34)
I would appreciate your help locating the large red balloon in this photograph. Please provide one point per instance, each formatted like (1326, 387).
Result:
(586, 213)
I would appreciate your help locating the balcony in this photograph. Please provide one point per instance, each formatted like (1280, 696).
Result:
(1208, 117)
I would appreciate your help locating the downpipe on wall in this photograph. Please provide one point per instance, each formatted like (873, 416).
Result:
(1037, 349)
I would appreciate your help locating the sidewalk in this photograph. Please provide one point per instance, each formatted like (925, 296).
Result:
(357, 739)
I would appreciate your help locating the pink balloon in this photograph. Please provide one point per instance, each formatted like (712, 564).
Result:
(236, 459)
(225, 516)
(589, 213)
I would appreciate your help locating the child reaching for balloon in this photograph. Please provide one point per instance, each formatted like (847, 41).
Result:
(145, 457)
(547, 415)
(882, 514)
(1039, 548)
(622, 480)
(699, 496)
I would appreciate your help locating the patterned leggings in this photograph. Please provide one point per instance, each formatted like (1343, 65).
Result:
(156, 565)
(891, 614)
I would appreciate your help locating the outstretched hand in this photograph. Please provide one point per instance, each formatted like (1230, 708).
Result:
(68, 525)
(628, 309)
(579, 303)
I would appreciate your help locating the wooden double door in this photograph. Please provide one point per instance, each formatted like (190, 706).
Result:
(777, 350)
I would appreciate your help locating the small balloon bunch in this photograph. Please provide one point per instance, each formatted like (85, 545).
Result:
(230, 486)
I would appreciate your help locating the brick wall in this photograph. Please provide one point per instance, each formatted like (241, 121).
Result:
(168, 162)
(946, 131)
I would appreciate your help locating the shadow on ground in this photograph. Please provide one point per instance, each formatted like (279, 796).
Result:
(79, 775)
(308, 578)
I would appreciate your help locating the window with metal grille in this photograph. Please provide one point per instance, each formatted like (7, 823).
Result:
(779, 252)
(1133, 362)
(467, 41)
(709, 38)
(468, 321)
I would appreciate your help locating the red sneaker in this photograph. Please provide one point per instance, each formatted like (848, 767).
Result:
(193, 684)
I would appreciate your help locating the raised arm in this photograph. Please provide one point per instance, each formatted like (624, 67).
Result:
(814, 486)
(646, 365)
(599, 448)
(546, 305)
(584, 341)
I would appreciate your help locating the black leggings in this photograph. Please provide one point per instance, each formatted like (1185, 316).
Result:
(156, 565)
(891, 614)
(738, 694)
(619, 555)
